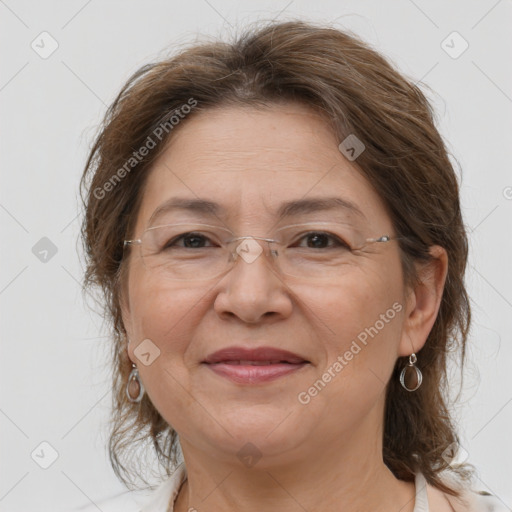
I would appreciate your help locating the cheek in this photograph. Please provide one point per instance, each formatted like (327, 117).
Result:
(168, 319)
(358, 324)
(347, 309)
(163, 314)
(360, 339)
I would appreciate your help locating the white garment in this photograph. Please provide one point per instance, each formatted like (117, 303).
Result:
(162, 498)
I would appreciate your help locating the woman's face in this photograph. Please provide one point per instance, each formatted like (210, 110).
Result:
(250, 162)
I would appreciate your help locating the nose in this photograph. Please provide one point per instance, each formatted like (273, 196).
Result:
(253, 290)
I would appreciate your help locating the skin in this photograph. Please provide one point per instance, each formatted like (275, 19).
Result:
(313, 456)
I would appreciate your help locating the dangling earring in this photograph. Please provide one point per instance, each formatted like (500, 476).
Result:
(134, 387)
(419, 376)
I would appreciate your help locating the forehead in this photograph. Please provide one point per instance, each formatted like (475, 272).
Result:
(253, 163)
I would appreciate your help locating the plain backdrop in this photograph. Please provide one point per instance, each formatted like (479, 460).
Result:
(54, 374)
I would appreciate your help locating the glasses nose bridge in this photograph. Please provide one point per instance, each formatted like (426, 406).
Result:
(249, 248)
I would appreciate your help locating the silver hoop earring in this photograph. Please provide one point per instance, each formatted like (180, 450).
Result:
(134, 387)
(419, 376)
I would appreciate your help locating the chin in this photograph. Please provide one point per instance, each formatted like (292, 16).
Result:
(269, 435)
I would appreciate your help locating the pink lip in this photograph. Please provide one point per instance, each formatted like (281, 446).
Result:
(251, 366)
(253, 354)
(253, 374)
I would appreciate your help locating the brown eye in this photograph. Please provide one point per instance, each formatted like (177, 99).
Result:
(321, 240)
(190, 241)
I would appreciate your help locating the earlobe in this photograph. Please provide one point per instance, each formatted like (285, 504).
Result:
(124, 307)
(125, 316)
(129, 350)
(424, 301)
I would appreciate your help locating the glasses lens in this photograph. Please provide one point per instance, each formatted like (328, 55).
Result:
(319, 250)
(186, 251)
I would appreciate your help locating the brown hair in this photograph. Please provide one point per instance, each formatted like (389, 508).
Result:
(405, 159)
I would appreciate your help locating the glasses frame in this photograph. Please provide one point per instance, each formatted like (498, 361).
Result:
(233, 252)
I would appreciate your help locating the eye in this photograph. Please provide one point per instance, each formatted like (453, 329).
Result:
(190, 240)
(321, 239)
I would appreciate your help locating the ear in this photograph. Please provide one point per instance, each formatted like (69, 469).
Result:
(124, 305)
(423, 302)
(128, 328)
(125, 310)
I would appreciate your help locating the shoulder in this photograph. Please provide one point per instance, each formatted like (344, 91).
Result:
(128, 501)
(166, 492)
(155, 500)
(470, 500)
(473, 501)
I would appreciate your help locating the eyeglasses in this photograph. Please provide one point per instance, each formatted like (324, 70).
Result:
(319, 251)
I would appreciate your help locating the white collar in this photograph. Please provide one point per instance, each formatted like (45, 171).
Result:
(421, 502)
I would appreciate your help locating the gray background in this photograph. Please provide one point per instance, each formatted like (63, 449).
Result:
(54, 360)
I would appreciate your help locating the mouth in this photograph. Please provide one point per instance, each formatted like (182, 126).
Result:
(256, 363)
(255, 372)
(257, 355)
(251, 366)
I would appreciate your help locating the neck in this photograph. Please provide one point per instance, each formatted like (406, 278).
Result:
(346, 474)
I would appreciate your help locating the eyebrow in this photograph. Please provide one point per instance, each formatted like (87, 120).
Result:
(287, 209)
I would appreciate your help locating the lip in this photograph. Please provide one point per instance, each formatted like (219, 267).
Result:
(231, 354)
(256, 365)
(252, 374)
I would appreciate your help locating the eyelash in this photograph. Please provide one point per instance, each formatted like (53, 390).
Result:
(338, 241)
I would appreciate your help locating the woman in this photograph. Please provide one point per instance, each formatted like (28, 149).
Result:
(276, 227)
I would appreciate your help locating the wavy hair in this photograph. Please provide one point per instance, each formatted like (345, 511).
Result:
(406, 161)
